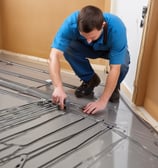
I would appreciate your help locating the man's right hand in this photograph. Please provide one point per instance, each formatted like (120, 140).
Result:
(58, 97)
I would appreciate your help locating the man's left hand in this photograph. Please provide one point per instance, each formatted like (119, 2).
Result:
(94, 107)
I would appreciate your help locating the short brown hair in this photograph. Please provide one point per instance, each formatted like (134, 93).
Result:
(90, 18)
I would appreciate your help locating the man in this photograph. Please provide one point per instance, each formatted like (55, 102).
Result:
(90, 33)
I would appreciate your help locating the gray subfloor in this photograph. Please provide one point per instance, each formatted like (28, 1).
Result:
(34, 133)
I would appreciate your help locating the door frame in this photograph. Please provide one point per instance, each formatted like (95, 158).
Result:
(144, 59)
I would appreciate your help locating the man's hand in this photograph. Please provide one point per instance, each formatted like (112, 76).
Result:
(58, 94)
(58, 97)
(111, 81)
(94, 107)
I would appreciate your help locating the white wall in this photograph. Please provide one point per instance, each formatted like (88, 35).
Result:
(131, 13)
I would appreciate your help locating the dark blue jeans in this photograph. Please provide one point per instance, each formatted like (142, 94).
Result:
(77, 55)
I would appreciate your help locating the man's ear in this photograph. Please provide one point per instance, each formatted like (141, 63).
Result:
(104, 23)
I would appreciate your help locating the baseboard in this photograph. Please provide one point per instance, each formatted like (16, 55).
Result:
(24, 56)
(138, 110)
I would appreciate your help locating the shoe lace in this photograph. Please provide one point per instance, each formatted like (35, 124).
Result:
(84, 85)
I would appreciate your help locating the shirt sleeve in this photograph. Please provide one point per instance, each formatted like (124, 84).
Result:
(118, 39)
(65, 34)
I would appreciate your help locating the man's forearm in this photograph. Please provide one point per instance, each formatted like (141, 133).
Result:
(54, 68)
(111, 83)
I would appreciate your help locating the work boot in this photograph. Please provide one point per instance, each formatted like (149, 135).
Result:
(86, 88)
(115, 95)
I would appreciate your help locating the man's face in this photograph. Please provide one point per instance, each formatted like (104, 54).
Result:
(92, 36)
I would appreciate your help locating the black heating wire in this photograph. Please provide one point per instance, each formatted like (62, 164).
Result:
(88, 140)
(22, 146)
(24, 113)
(60, 141)
(30, 78)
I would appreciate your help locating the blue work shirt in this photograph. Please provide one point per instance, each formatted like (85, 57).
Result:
(116, 42)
